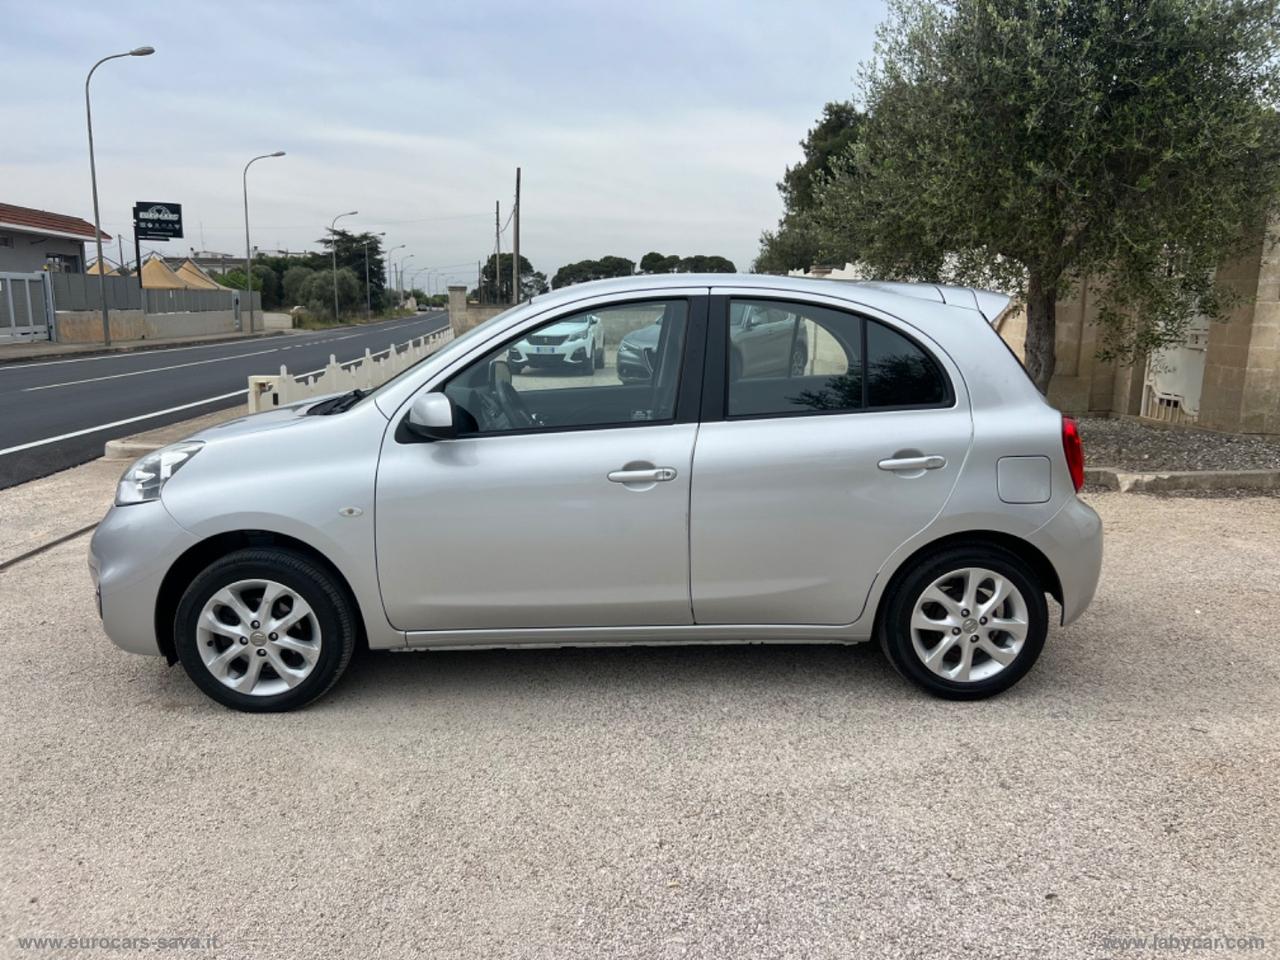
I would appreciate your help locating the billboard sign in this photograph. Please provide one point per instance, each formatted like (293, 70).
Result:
(157, 221)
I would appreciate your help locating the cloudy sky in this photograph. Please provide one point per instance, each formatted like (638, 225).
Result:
(639, 126)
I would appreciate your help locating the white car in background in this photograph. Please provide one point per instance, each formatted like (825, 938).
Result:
(577, 344)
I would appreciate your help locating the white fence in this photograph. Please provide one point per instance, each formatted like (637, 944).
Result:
(364, 372)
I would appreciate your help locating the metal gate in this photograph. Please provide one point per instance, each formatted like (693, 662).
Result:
(26, 306)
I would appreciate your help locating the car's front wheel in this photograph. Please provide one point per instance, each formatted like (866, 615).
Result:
(264, 629)
(966, 623)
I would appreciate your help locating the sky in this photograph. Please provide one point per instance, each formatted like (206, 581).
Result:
(638, 126)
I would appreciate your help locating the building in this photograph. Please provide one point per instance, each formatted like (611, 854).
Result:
(32, 240)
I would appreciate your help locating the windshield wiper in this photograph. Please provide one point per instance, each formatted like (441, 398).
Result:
(337, 404)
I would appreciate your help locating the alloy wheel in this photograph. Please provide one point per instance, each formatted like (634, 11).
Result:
(969, 624)
(258, 637)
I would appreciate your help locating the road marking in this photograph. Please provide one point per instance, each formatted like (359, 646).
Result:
(120, 423)
(138, 373)
(127, 354)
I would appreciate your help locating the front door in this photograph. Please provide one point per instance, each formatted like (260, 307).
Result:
(564, 501)
(806, 481)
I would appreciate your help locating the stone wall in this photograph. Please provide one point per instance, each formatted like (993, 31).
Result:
(464, 315)
(1241, 390)
(85, 326)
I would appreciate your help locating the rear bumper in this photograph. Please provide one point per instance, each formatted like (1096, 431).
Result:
(129, 555)
(1072, 541)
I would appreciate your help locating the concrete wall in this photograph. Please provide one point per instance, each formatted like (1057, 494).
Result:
(26, 252)
(85, 326)
(277, 321)
(1241, 391)
(463, 315)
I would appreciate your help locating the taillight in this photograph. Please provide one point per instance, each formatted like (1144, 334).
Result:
(1073, 447)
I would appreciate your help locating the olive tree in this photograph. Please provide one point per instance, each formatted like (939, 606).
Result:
(1038, 144)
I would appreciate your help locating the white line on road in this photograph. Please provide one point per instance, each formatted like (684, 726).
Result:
(138, 373)
(127, 354)
(120, 423)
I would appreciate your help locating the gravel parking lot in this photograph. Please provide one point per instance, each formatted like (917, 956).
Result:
(682, 802)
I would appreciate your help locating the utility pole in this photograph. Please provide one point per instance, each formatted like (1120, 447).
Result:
(515, 245)
(120, 251)
(497, 252)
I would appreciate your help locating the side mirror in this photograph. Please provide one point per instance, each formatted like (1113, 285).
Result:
(431, 417)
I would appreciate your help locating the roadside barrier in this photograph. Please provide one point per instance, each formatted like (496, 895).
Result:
(367, 372)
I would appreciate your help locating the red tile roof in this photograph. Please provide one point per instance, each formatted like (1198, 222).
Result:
(42, 221)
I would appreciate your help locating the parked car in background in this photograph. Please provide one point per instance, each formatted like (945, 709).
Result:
(577, 344)
(765, 339)
(907, 484)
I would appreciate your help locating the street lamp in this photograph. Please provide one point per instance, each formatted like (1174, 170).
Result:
(334, 232)
(400, 275)
(368, 296)
(248, 253)
(93, 177)
(390, 264)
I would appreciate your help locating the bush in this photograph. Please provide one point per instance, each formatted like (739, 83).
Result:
(295, 281)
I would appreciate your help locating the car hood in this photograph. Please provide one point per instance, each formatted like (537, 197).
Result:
(562, 329)
(644, 337)
(277, 419)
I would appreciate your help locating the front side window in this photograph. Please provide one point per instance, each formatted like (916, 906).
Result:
(791, 358)
(608, 366)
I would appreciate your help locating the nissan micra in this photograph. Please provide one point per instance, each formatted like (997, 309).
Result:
(901, 480)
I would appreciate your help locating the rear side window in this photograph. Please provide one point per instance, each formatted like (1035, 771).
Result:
(792, 359)
(899, 373)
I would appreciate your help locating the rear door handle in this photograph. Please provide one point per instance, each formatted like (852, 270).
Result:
(933, 462)
(651, 475)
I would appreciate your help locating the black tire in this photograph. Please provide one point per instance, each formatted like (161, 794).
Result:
(313, 583)
(895, 622)
(799, 360)
(600, 356)
(588, 366)
(515, 368)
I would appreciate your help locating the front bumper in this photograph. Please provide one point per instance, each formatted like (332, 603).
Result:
(570, 353)
(1072, 541)
(130, 553)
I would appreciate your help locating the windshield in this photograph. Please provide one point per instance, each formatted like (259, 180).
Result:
(457, 344)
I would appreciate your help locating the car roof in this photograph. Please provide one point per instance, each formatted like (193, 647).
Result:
(886, 295)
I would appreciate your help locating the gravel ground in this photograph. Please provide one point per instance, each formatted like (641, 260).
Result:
(1136, 447)
(775, 801)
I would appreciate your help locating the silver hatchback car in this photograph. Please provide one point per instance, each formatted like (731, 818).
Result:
(900, 479)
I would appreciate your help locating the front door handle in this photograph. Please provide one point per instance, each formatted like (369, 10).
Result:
(933, 462)
(650, 475)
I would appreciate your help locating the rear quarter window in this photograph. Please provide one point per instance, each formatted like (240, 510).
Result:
(899, 372)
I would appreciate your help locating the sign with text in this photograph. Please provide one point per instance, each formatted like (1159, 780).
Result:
(157, 221)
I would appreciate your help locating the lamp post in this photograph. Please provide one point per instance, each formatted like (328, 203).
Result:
(400, 274)
(414, 279)
(248, 252)
(93, 177)
(368, 296)
(334, 232)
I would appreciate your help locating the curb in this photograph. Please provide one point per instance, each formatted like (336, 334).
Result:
(129, 448)
(1173, 481)
(140, 347)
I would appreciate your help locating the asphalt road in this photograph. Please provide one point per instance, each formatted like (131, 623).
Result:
(55, 414)
(669, 802)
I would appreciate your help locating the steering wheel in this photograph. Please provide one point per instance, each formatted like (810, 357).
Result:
(513, 405)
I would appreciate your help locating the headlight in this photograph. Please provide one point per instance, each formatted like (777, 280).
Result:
(579, 335)
(145, 479)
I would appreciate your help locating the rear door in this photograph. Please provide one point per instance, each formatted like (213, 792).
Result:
(804, 481)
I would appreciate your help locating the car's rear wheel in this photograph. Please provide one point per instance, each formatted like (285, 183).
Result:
(966, 623)
(264, 629)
